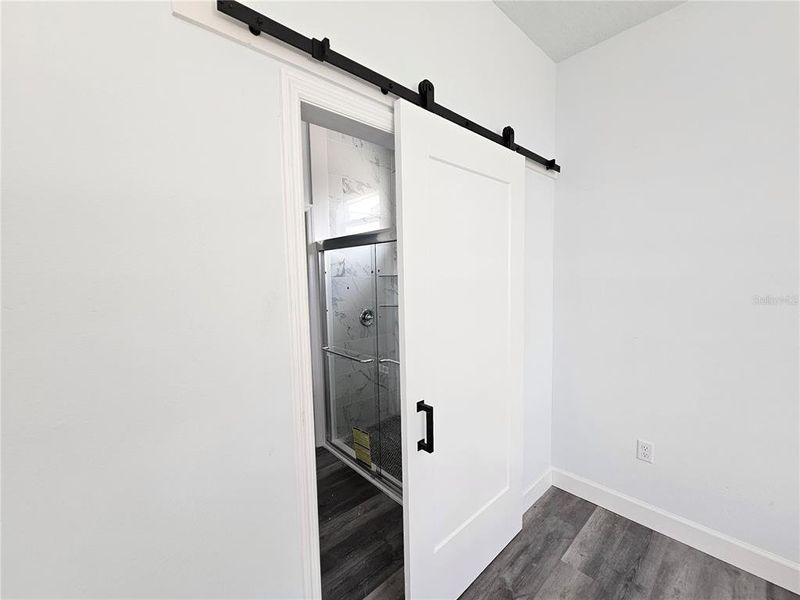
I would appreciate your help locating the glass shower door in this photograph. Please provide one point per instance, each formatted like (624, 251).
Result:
(351, 353)
(362, 357)
(388, 361)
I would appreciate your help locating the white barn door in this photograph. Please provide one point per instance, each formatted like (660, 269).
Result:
(461, 235)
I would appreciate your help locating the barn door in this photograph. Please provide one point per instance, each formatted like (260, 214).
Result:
(461, 225)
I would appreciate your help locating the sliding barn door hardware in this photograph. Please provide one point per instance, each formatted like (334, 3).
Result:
(508, 137)
(425, 88)
(319, 48)
(424, 97)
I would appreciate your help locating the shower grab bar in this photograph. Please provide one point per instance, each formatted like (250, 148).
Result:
(389, 360)
(329, 350)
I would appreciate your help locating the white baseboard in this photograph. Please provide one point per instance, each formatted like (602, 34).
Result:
(766, 565)
(536, 489)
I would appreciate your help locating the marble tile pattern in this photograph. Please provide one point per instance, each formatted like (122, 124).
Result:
(355, 181)
(362, 395)
(361, 184)
(350, 289)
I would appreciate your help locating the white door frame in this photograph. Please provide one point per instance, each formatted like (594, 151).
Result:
(298, 87)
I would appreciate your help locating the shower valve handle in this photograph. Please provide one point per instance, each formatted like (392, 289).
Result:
(427, 443)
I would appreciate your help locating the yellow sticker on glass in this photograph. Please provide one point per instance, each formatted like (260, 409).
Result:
(361, 446)
(360, 437)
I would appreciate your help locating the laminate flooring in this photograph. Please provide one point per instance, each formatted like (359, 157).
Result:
(568, 549)
(361, 535)
(572, 549)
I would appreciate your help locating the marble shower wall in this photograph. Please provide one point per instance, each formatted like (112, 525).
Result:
(356, 279)
(352, 182)
(352, 191)
(350, 289)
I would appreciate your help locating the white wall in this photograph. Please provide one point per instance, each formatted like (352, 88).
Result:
(146, 439)
(540, 193)
(678, 204)
(146, 427)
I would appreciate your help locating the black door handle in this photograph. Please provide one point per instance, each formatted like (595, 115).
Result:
(427, 443)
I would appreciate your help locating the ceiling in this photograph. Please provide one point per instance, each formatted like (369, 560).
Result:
(563, 28)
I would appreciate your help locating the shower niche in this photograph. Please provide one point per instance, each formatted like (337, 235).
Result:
(353, 291)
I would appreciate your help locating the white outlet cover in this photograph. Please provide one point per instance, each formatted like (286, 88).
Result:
(645, 450)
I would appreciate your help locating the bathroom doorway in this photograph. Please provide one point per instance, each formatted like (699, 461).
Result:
(443, 171)
(349, 181)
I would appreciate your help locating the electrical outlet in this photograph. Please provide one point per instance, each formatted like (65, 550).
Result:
(645, 450)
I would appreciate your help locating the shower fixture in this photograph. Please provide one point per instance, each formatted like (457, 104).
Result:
(367, 317)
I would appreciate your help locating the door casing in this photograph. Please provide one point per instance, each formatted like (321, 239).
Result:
(373, 109)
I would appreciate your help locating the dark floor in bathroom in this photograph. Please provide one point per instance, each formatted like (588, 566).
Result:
(361, 535)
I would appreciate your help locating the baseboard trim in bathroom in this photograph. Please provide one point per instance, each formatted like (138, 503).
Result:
(536, 490)
(757, 561)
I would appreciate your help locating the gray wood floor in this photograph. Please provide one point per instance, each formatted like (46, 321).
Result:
(572, 549)
(361, 535)
(568, 549)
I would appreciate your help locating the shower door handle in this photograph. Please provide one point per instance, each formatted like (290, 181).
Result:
(427, 443)
(363, 361)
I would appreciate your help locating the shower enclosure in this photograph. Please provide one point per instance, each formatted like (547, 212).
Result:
(358, 293)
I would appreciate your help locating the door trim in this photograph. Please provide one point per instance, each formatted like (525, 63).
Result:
(299, 87)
